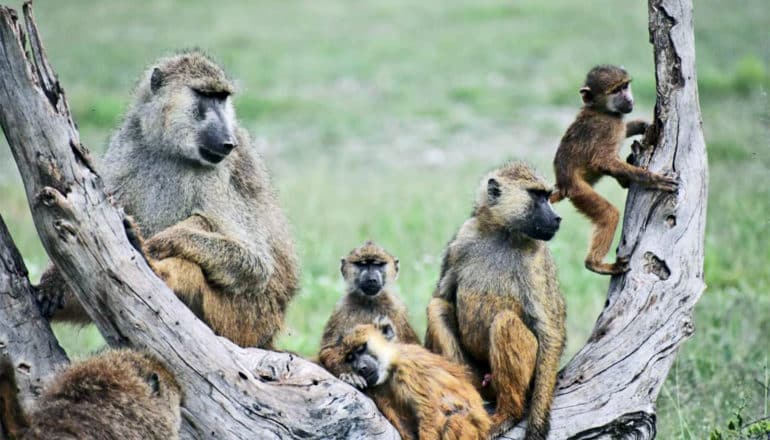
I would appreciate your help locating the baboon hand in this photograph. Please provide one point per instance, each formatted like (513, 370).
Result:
(354, 380)
(49, 299)
(50, 293)
(666, 183)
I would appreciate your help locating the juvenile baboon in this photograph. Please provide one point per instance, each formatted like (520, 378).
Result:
(120, 394)
(369, 272)
(184, 169)
(497, 307)
(589, 150)
(424, 395)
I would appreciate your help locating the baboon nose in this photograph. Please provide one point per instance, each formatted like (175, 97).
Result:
(558, 220)
(229, 145)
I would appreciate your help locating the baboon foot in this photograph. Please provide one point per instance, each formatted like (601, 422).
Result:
(618, 267)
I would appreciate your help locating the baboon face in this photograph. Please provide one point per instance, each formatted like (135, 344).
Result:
(367, 355)
(515, 200)
(190, 110)
(368, 269)
(608, 88)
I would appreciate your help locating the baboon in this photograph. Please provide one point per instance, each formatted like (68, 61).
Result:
(184, 169)
(369, 272)
(589, 150)
(497, 307)
(120, 394)
(424, 395)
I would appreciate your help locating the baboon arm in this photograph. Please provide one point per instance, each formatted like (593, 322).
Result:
(395, 419)
(441, 336)
(225, 262)
(549, 351)
(637, 126)
(625, 173)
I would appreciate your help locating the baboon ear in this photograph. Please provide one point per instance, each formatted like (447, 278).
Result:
(154, 381)
(342, 265)
(395, 264)
(585, 93)
(493, 191)
(156, 80)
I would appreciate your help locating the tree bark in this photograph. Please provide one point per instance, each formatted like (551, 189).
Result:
(608, 390)
(230, 392)
(25, 336)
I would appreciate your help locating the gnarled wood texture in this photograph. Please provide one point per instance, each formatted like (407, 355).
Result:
(25, 336)
(607, 391)
(230, 392)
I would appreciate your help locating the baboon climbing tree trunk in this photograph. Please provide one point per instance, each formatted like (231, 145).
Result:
(608, 390)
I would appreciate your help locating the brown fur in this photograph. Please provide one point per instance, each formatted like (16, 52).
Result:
(588, 151)
(216, 233)
(425, 396)
(497, 306)
(120, 394)
(356, 308)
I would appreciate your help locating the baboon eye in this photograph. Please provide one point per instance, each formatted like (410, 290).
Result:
(361, 349)
(212, 94)
(539, 193)
(349, 358)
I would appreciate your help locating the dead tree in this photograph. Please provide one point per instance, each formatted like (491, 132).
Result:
(607, 391)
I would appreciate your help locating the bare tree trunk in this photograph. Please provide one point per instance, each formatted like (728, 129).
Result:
(230, 392)
(608, 390)
(25, 336)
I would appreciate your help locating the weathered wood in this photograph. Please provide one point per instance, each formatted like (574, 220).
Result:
(25, 336)
(608, 390)
(230, 392)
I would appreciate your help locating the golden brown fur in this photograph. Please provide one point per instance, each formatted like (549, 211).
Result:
(497, 306)
(216, 233)
(425, 396)
(356, 307)
(589, 150)
(119, 394)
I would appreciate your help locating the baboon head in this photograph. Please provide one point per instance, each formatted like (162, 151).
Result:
(608, 89)
(368, 353)
(185, 109)
(515, 200)
(368, 269)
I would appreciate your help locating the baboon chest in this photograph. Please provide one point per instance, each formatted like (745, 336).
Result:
(486, 288)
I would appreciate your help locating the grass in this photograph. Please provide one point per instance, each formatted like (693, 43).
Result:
(378, 118)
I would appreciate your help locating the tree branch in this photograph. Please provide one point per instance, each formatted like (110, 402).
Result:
(25, 336)
(609, 388)
(230, 392)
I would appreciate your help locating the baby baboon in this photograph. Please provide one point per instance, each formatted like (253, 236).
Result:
(497, 306)
(422, 394)
(369, 271)
(589, 150)
(184, 169)
(120, 394)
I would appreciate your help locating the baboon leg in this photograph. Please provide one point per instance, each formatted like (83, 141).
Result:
(441, 336)
(513, 355)
(604, 218)
(185, 278)
(625, 172)
(236, 318)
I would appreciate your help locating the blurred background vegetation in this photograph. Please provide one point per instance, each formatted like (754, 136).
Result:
(378, 118)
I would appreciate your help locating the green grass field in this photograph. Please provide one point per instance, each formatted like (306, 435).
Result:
(378, 118)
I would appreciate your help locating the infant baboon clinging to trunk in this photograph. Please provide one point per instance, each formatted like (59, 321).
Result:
(181, 165)
(589, 150)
